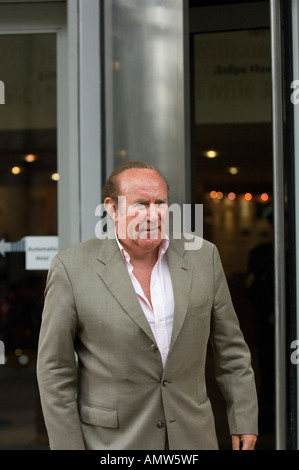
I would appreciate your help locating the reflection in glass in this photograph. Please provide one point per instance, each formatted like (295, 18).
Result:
(232, 175)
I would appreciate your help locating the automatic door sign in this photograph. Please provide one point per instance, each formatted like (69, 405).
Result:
(39, 251)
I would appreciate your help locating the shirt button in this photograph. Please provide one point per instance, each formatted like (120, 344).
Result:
(160, 424)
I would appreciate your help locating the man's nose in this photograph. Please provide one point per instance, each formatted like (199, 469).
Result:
(152, 212)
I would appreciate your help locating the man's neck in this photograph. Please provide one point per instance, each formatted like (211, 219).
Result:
(138, 255)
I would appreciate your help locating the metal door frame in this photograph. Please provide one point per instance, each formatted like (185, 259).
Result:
(279, 225)
(295, 76)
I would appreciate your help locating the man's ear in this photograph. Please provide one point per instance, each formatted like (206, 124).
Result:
(110, 207)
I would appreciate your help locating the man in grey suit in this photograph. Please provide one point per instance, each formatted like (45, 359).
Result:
(126, 323)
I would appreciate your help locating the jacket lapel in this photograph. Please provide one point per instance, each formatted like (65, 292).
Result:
(113, 272)
(181, 276)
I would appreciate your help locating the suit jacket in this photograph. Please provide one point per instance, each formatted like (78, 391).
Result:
(113, 393)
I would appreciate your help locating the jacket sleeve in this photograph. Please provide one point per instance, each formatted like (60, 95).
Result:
(232, 359)
(56, 363)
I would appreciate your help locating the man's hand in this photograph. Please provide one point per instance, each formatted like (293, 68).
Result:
(243, 441)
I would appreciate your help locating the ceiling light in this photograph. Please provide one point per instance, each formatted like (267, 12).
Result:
(233, 170)
(211, 154)
(264, 197)
(55, 177)
(30, 158)
(16, 170)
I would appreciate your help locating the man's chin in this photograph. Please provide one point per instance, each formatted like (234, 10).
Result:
(149, 241)
(151, 235)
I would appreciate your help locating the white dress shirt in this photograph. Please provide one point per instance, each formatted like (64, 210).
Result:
(160, 313)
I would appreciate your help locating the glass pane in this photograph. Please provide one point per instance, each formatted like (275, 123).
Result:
(28, 208)
(232, 175)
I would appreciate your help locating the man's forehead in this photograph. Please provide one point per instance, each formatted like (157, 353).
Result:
(144, 177)
(132, 173)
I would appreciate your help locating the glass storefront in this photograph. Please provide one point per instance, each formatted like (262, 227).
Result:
(28, 208)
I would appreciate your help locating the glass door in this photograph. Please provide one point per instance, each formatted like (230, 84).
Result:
(28, 218)
(232, 168)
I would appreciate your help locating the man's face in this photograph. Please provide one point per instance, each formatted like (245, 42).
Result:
(142, 213)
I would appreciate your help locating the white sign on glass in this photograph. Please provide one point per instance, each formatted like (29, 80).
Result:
(39, 251)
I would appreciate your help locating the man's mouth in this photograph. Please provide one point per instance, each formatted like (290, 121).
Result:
(148, 232)
(149, 229)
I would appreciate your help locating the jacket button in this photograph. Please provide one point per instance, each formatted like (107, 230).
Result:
(160, 424)
(154, 347)
(165, 383)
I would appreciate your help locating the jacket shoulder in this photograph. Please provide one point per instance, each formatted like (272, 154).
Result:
(84, 250)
